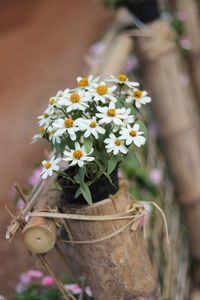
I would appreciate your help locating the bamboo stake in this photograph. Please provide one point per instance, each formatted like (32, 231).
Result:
(177, 119)
(39, 234)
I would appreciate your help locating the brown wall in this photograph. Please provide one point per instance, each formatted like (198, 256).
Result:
(42, 47)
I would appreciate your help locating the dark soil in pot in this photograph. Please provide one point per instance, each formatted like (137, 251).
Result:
(100, 189)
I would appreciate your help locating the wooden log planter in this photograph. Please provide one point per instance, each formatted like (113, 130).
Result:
(113, 257)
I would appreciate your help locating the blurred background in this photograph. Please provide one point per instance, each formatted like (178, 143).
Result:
(42, 49)
(44, 46)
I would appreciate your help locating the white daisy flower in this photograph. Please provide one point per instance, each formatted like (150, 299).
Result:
(49, 167)
(140, 97)
(62, 94)
(65, 126)
(52, 104)
(53, 101)
(91, 127)
(109, 114)
(53, 137)
(39, 135)
(115, 145)
(132, 135)
(125, 117)
(45, 118)
(84, 82)
(78, 155)
(123, 79)
(75, 101)
(102, 92)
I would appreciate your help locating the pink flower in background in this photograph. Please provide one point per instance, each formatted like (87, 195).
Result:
(88, 291)
(184, 79)
(25, 278)
(185, 43)
(96, 49)
(120, 174)
(144, 219)
(35, 177)
(181, 15)
(47, 280)
(131, 63)
(74, 288)
(155, 175)
(20, 287)
(20, 204)
(34, 274)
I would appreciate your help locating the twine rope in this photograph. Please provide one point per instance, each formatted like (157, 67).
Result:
(133, 213)
(155, 40)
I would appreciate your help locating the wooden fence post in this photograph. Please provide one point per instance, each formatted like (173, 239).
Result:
(177, 118)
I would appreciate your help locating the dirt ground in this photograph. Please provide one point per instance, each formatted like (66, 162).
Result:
(42, 47)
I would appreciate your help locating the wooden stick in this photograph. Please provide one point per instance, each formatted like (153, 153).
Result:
(39, 235)
(20, 192)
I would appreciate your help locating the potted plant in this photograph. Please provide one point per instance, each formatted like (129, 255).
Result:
(92, 127)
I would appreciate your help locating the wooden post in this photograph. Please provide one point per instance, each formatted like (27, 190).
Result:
(177, 119)
(116, 57)
(192, 31)
(117, 268)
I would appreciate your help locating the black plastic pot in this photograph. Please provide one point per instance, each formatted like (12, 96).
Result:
(100, 189)
(146, 11)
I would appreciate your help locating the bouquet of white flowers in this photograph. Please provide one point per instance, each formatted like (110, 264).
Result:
(92, 127)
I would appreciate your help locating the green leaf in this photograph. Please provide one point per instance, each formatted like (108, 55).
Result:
(78, 192)
(84, 189)
(57, 186)
(142, 127)
(112, 163)
(88, 144)
(86, 192)
(130, 165)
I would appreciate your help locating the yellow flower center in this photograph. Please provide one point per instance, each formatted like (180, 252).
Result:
(111, 112)
(102, 89)
(77, 154)
(41, 129)
(75, 98)
(83, 82)
(93, 124)
(52, 101)
(45, 115)
(137, 94)
(52, 131)
(69, 123)
(133, 132)
(47, 165)
(117, 142)
(122, 77)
